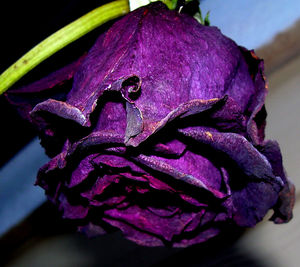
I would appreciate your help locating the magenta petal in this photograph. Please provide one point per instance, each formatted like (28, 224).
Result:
(147, 221)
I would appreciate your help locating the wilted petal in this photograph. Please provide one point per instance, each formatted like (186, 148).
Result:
(283, 211)
(53, 86)
(147, 221)
(72, 211)
(163, 167)
(252, 200)
(241, 151)
(161, 134)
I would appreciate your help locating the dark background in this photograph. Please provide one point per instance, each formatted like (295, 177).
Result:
(23, 25)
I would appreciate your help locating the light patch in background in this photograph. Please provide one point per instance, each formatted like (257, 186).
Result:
(134, 4)
(252, 23)
(18, 195)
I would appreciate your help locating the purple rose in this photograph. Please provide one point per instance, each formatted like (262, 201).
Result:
(161, 133)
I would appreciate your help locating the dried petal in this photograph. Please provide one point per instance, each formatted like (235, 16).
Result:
(161, 134)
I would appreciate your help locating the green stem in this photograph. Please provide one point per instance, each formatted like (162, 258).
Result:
(60, 39)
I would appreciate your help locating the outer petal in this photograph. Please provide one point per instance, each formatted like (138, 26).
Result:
(161, 134)
(200, 64)
(255, 109)
(283, 210)
(146, 221)
(166, 168)
(192, 107)
(255, 186)
(252, 200)
(53, 86)
(242, 152)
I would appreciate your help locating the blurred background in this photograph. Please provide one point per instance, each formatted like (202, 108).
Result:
(31, 231)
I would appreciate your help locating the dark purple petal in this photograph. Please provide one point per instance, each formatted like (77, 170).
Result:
(161, 134)
(256, 123)
(201, 237)
(82, 171)
(147, 221)
(163, 167)
(252, 200)
(60, 109)
(53, 86)
(238, 149)
(229, 117)
(283, 211)
(207, 69)
(72, 211)
(130, 232)
(183, 110)
(171, 148)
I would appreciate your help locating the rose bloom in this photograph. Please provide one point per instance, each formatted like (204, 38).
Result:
(159, 131)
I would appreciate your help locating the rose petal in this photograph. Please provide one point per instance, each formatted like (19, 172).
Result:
(163, 167)
(239, 150)
(52, 86)
(72, 211)
(251, 202)
(283, 211)
(145, 221)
